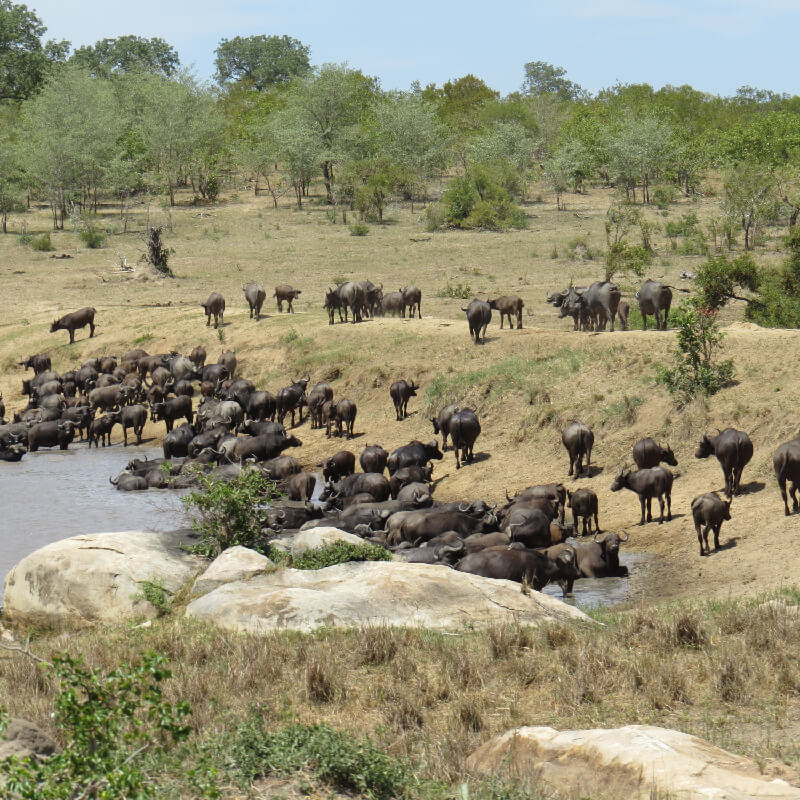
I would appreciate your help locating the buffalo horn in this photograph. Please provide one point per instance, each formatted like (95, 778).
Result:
(463, 507)
(113, 482)
(625, 535)
(599, 534)
(510, 499)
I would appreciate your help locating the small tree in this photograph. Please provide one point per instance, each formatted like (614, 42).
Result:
(157, 254)
(695, 370)
(720, 276)
(750, 198)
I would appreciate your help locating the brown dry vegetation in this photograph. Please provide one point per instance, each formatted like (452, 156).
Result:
(722, 671)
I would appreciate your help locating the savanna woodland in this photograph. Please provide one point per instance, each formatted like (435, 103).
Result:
(131, 187)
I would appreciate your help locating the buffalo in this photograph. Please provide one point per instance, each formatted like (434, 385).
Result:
(40, 362)
(786, 462)
(400, 392)
(135, 417)
(374, 458)
(215, 305)
(50, 434)
(412, 299)
(393, 303)
(413, 454)
(709, 510)
(285, 294)
(583, 503)
(733, 450)
(343, 413)
(74, 321)
(523, 566)
(647, 483)
(319, 393)
(352, 297)
(479, 315)
(464, 428)
(333, 302)
(255, 295)
(578, 440)
(408, 475)
(100, 428)
(654, 298)
(646, 454)
(508, 305)
(600, 558)
(441, 423)
(290, 399)
(339, 466)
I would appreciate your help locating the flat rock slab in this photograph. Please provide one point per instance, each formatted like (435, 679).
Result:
(234, 564)
(374, 592)
(98, 577)
(636, 761)
(298, 543)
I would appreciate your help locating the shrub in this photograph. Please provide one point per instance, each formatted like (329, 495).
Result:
(93, 238)
(476, 200)
(626, 258)
(778, 303)
(718, 278)
(113, 725)
(460, 291)
(25, 238)
(662, 196)
(340, 553)
(229, 513)
(42, 242)
(343, 762)
(359, 229)
(695, 370)
(157, 254)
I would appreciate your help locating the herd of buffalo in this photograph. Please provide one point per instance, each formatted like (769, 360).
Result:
(218, 423)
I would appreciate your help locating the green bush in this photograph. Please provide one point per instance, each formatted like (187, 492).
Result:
(695, 370)
(114, 724)
(25, 239)
(93, 238)
(338, 553)
(343, 762)
(42, 242)
(461, 291)
(229, 513)
(685, 227)
(662, 196)
(476, 200)
(359, 229)
(626, 258)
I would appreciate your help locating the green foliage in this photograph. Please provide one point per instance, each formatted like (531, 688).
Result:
(476, 200)
(330, 555)
(626, 258)
(229, 513)
(718, 278)
(25, 60)
(695, 369)
(42, 242)
(157, 254)
(157, 595)
(343, 762)
(461, 291)
(94, 239)
(112, 723)
(127, 54)
(359, 229)
(778, 301)
(686, 226)
(261, 61)
(662, 196)
(542, 78)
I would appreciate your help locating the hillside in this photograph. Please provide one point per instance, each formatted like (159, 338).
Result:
(525, 384)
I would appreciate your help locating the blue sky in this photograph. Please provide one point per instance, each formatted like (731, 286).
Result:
(714, 45)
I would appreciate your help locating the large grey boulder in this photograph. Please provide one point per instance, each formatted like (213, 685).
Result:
(635, 761)
(374, 592)
(98, 577)
(234, 564)
(21, 738)
(296, 544)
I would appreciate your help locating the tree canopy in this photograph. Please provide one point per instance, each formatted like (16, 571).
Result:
(24, 58)
(128, 54)
(261, 61)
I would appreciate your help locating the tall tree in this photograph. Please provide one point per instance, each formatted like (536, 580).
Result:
(128, 54)
(261, 61)
(327, 106)
(542, 78)
(750, 198)
(24, 59)
(460, 102)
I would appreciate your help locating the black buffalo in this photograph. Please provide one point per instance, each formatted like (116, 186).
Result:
(733, 450)
(479, 315)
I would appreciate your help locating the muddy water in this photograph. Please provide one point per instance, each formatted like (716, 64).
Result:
(54, 494)
(588, 592)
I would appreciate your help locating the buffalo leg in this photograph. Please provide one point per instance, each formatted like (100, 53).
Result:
(71, 336)
(596, 523)
(716, 536)
(649, 501)
(642, 503)
(793, 492)
(699, 530)
(669, 506)
(91, 330)
(782, 485)
(661, 508)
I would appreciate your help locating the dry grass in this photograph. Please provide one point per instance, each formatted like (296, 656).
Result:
(724, 671)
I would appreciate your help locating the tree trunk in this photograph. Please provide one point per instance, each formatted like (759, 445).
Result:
(793, 216)
(327, 174)
(171, 193)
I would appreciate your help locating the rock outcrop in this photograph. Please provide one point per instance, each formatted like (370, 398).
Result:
(22, 739)
(234, 564)
(636, 761)
(98, 577)
(296, 544)
(374, 592)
